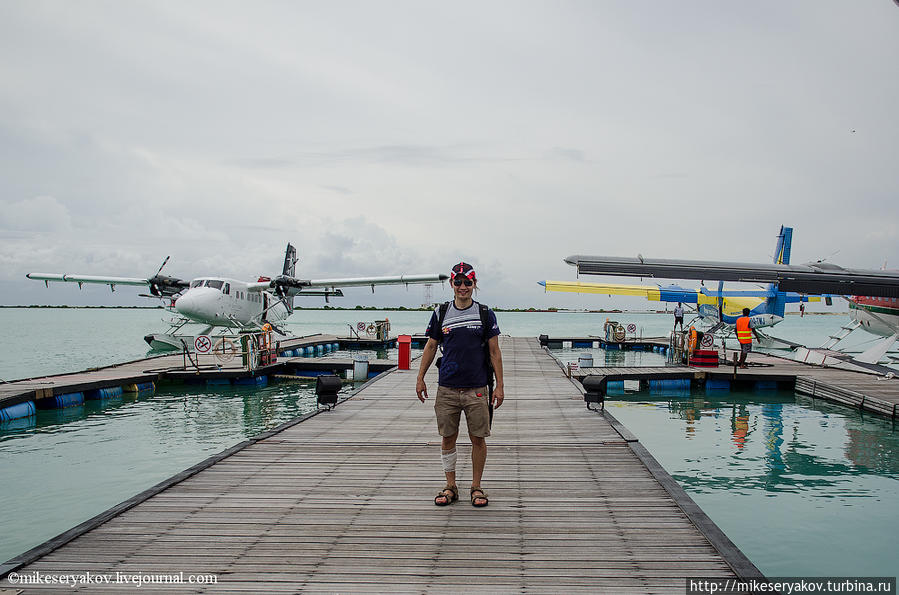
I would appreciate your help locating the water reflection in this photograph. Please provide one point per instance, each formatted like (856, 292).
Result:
(775, 444)
(784, 477)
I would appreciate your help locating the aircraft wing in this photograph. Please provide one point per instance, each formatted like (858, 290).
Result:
(287, 285)
(160, 285)
(87, 279)
(653, 293)
(818, 278)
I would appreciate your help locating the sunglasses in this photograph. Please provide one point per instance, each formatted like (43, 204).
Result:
(458, 282)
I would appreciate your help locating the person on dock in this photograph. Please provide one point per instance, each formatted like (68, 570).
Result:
(679, 316)
(744, 336)
(468, 334)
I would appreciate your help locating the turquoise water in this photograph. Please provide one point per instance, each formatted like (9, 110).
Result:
(802, 487)
(804, 476)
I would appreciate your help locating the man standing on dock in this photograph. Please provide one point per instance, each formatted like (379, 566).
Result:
(679, 316)
(468, 333)
(744, 336)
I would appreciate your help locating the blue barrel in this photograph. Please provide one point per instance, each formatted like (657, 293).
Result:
(139, 387)
(319, 349)
(581, 344)
(308, 351)
(18, 411)
(678, 387)
(712, 385)
(261, 380)
(69, 400)
(615, 387)
(109, 392)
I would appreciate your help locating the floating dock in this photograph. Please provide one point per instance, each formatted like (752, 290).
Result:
(343, 502)
(62, 390)
(859, 390)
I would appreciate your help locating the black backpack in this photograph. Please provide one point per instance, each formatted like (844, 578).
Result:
(483, 310)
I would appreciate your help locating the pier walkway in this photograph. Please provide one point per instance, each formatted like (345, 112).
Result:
(343, 502)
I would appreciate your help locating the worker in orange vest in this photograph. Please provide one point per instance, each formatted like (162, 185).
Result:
(744, 336)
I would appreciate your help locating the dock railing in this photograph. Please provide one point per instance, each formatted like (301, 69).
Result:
(244, 351)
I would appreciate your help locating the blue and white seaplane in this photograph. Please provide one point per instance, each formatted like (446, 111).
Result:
(873, 295)
(230, 304)
(717, 310)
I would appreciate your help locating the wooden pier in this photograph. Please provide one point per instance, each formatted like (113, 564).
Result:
(343, 503)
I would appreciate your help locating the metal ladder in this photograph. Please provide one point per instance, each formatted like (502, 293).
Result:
(841, 334)
(718, 326)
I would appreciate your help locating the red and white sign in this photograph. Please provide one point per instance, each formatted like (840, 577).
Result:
(632, 328)
(203, 344)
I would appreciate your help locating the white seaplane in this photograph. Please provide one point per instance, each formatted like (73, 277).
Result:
(231, 304)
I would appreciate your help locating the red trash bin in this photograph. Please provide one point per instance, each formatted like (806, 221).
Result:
(404, 342)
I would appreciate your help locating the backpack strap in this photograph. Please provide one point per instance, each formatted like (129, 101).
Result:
(440, 311)
(485, 325)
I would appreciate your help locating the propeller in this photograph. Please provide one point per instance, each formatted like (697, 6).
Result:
(164, 286)
(164, 262)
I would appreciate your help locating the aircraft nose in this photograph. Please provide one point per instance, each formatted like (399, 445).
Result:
(187, 304)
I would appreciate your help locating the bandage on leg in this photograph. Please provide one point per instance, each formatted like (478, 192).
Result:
(448, 458)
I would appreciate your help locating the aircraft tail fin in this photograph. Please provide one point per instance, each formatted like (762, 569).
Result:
(290, 261)
(776, 304)
(784, 243)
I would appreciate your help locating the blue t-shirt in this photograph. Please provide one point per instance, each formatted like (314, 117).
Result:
(464, 364)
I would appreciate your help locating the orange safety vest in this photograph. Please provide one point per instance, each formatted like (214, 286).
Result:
(744, 334)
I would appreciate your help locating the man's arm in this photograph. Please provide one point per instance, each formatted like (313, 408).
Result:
(496, 360)
(427, 357)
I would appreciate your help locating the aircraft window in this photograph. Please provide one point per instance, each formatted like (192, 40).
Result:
(214, 284)
(196, 283)
(226, 289)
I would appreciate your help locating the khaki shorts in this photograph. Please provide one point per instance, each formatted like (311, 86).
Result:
(451, 402)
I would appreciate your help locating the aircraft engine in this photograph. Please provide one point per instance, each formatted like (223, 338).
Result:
(163, 286)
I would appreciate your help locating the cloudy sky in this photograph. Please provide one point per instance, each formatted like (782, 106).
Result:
(401, 137)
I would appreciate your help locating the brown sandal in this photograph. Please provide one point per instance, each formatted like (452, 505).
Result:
(483, 496)
(448, 498)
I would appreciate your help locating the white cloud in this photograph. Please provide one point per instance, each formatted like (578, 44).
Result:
(403, 138)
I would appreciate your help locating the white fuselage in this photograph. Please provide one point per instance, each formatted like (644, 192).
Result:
(219, 301)
(878, 316)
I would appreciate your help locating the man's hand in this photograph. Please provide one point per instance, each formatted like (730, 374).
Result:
(498, 396)
(421, 389)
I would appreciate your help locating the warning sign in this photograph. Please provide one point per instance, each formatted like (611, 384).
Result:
(203, 344)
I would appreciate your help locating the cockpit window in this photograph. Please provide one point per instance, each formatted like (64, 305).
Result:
(226, 289)
(196, 283)
(214, 284)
